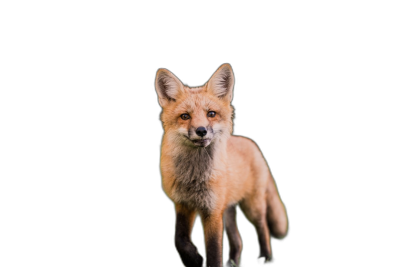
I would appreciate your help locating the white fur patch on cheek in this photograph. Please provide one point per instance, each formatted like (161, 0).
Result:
(183, 130)
(217, 127)
(221, 130)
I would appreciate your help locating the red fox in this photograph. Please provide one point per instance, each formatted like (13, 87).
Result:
(208, 171)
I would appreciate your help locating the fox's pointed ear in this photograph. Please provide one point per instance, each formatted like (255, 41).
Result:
(221, 82)
(168, 86)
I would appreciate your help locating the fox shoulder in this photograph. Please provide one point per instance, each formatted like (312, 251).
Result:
(245, 148)
(242, 143)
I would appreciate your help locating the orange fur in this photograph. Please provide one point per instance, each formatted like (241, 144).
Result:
(239, 173)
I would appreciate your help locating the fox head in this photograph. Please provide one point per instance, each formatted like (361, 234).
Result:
(196, 116)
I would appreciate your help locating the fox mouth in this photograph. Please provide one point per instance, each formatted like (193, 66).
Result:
(200, 142)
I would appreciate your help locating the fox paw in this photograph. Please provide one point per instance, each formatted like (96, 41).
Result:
(231, 263)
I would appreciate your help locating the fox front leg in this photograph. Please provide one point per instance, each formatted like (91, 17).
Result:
(235, 241)
(184, 223)
(213, 232)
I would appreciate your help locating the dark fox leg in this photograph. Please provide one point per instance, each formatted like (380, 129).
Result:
(184, 223)
(213, 232)
(264, 239)
(235, 241)
(256, 214)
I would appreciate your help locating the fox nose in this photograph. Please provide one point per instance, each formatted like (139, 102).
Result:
(201, 131)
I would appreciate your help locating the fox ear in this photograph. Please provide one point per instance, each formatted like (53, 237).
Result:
(168, 86)
(221, 82)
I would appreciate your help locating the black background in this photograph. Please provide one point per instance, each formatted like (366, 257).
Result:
(289, 95)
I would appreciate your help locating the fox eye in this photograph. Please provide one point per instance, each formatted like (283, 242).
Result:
(185, 116)
(211, 114)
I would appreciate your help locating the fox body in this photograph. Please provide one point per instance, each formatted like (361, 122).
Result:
(208, 171)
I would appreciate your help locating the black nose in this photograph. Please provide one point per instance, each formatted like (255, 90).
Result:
(201, 131)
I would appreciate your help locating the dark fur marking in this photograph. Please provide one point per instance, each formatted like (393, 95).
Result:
(185, 247)
(213, 250)
(264, 252)
(235, 241)
(193, 168)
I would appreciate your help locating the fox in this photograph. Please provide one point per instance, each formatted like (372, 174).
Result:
(208, 171)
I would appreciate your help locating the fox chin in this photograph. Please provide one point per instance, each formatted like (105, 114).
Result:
(207, 171)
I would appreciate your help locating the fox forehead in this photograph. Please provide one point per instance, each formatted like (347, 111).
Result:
(195, 100)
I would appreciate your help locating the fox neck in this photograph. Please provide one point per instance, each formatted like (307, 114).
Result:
(194, 163)
(194, 168)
